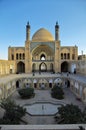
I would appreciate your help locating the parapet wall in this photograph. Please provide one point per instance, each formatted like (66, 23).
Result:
(44, 127)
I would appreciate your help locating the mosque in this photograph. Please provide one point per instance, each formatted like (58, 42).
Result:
(43, 53)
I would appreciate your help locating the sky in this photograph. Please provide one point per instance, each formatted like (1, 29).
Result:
(14, 15)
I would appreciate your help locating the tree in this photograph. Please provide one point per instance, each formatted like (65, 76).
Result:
(26, 92)
(70, 114)
(57, 92)
(13, 113)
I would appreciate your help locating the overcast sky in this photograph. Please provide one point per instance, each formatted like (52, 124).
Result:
(14, 15)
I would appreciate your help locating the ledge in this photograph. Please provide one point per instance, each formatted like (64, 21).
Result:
(43, 127)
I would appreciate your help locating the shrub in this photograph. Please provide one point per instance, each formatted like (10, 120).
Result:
(71, 114)
(13, 113)
(26, 92)
(57, 92)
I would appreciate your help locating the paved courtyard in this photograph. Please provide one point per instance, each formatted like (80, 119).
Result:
(45, 96)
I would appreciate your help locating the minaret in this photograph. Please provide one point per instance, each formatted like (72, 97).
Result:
(57, 32)
(57, 58)
(27, 32)
(28, 56)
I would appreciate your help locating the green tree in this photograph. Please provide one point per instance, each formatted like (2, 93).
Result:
(70, 114)
(57, 92)
(26, 92)
(13, 113)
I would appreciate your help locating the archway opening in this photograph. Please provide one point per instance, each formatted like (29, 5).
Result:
(43, 67)
(35, 83)
(68, 83)
(64, 67)
(17, 84)
(21, 67)
(42, 57)
(50, 83)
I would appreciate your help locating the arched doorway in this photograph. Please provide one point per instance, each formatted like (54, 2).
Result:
(68, 83)
(43, 67)
(17, 84)
(58, 82)
(21, 67)
(35, 83)
(64, 67)
(43, 83)
(50, 83)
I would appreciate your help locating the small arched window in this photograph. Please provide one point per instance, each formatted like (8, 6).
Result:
(17, 56)
(12, 57)
(20, 55)
(23, 56)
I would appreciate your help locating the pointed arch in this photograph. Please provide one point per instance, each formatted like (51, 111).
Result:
(64, 66)
(21, 67)
(43, 67)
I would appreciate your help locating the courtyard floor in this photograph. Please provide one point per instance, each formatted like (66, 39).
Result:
(45, 96)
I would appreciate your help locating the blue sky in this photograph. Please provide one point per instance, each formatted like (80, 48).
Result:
(14, 14)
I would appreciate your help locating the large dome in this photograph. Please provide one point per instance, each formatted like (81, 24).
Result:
(42, 35)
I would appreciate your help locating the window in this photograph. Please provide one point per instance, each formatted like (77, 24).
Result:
(12, 57)
(23, 56)
(61, 55)
(17, 56)
(68, 55)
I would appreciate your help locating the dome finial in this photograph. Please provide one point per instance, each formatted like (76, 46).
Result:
(56, 22)
(28, 23)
